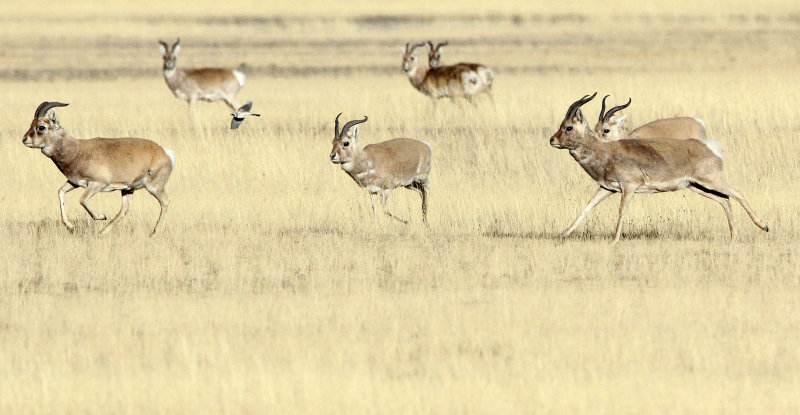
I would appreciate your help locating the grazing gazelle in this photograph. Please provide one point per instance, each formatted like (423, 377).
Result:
(486, 73)
(441, 82)
(609, 127)
(383, 167)
(206, 84)
(646, 165)
(101, 164)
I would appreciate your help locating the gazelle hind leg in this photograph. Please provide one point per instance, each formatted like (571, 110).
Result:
(731, 191)
(156, 188)
(231, 103)
(127, 196)
(726, 205)
(742, 201)
(163, 199)
(421, 188)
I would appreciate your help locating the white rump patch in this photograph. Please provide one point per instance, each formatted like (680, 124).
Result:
(715, 146)
(703, 123)
(239, 77)
(171, 155)
(429, 146)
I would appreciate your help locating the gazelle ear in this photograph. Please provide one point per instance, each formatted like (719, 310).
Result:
(175, 50)
(163, 50)
(51, 115)
(579, 116)
(621, 120)
(355, 133)
(402, 50)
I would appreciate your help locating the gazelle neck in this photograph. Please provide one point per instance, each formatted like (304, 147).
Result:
(63, 152)
(416, 75)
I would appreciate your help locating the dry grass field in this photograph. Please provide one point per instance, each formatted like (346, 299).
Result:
(274, 288)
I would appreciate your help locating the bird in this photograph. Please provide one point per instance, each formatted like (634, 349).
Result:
(242, 113)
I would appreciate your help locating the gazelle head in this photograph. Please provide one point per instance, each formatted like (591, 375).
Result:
(410, 61)
(435, 54)
(345, 142)
(574, 128)
(45, 128)
(170, 55)
(608, 126)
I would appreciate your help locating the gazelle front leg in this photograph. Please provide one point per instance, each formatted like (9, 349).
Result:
(599, 196)
(385, 202)
(92, 189)
(627, 197)
(66, 188)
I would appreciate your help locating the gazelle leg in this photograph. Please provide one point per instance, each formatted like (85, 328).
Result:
(730, 191)
(742, 201)
(385, 202)
(127, 196)
(163, 199)
(726, 205)
(598, 197)
(66, 188)
(627, 197)
(91, 190)
(420, 188)
(231, 103)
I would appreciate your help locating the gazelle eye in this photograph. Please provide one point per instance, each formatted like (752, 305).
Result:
(42, 128)
(606, 131)
(345, 144)
(569, 128)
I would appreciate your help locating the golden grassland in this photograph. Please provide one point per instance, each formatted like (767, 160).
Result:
(275, 288)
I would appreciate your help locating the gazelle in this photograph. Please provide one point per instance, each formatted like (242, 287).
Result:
(609, 128)
(383, 167)
(206, 84)
(435, 61)
(446, 81)
(650, 165)
(101, 164)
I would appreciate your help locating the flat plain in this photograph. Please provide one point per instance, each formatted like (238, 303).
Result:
(275, 288)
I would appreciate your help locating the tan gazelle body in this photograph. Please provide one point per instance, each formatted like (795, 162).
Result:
(382, 167)
(609, 126)
(650, 165)
(205, 84)
(486, 73)
(101, 164)
(442, 82)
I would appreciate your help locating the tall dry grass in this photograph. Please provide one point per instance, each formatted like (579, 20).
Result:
(275, 288)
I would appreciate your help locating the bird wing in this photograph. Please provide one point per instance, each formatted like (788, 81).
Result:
(246, 107)
(235, 122)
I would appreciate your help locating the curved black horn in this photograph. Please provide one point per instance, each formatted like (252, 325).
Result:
(350, 124)
(336, 126)
(577, 104)
(603, 108)
(615, 109)
(415, 46)
(46, 106)
(176, 44)
(440, 45)
(430, 46)
(164, 44)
